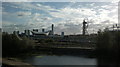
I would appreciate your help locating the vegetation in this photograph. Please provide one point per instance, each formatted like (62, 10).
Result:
(47, 40)
(108, 45)
(12, 46)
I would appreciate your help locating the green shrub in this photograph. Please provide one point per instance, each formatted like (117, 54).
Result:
(12, 46)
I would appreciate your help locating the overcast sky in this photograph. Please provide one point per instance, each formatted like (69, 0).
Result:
(66, 16)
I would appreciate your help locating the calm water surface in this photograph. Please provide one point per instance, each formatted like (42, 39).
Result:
(60, 60)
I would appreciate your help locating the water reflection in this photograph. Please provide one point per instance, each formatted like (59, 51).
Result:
(60, 60)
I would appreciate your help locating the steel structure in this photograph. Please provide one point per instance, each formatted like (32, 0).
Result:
(85, 26)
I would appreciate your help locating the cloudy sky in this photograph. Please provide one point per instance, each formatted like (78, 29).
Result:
(66, 16)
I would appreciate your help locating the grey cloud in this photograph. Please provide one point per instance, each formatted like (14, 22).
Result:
(69, 29)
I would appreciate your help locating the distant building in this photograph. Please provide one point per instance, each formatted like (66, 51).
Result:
(43, 30)
(0, 29)
(16, 32)
(62, 34)
(27, 32)
(36, 30)
(50, 33)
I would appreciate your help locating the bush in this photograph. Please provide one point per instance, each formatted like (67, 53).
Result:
(12, 46)
(108, 43)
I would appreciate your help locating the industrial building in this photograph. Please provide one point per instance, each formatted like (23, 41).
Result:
(35, 32)
(50, 34)
(83, 38)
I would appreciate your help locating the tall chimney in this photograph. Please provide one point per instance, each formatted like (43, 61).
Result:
(52, 29)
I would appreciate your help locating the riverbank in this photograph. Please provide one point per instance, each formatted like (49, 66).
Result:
(17, 61)
(14, 62)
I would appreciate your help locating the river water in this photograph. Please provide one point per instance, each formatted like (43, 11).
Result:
(60, 60)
